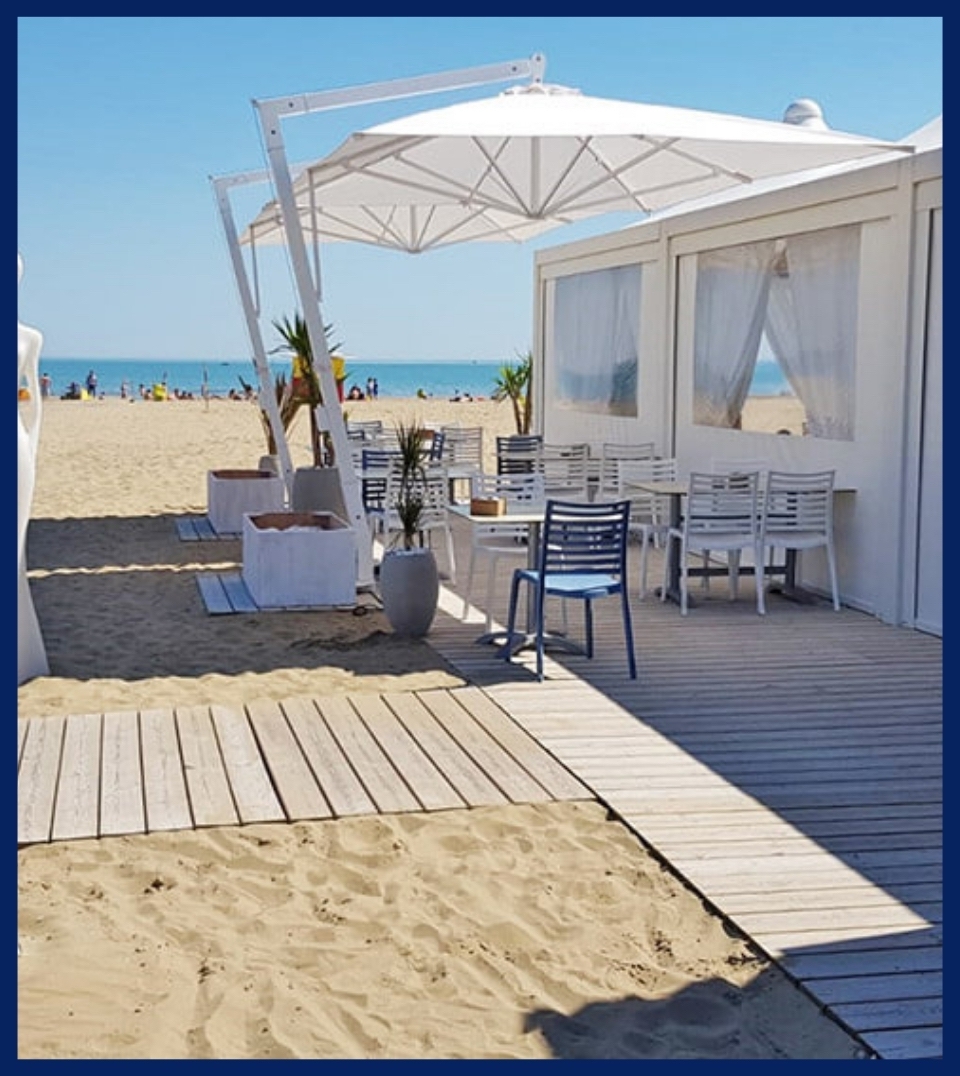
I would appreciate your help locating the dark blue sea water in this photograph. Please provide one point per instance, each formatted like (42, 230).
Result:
(440, 379)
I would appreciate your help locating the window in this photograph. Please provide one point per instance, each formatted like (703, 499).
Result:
(595, 341)
(776, 321)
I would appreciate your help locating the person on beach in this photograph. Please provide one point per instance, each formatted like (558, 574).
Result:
(92, 385)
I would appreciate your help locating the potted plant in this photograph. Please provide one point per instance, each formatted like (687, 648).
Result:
(316, 487)
(409, 580)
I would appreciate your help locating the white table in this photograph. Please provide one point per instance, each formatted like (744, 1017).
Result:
(533, 520)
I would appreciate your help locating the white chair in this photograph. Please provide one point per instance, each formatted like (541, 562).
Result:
(649, 512)
(608, 477)
(431, 483)
(726, 465)
(721, 513)
(462, 454)
(798, 514)
(566, 471)
(500, 538)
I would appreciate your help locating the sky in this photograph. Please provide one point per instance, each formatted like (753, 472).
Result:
(122, 122)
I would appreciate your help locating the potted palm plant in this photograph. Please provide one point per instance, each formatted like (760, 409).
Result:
(409, 580)
(315, 487)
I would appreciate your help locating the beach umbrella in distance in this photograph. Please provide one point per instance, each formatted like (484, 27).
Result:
(537, 156)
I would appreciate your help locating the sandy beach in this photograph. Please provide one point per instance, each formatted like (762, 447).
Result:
(507, 932)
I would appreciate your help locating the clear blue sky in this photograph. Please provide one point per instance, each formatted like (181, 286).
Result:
(121, 122)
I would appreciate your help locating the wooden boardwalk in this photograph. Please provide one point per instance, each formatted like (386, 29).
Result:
(788, 767)
(98, 775)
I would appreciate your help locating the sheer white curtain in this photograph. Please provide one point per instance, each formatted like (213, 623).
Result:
(812, 326)
(596, 340)
(731, 304)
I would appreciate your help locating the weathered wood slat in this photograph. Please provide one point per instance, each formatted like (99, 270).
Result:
(37, 779)
(121, 778)
(77, 811)
(214, 597)
(237, 593)
(857, 988)
(341, 787)
(544, 768)
(187, 529)
(906, 1043)
(164, 783)
(380, 779)
(295, 782)
(425, 780)
(211, 803)
(470, 781)
(253, 793)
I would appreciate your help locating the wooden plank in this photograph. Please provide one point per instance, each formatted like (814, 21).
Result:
(541, 765)
(205, 530)
(187, 529)
(418, 770)
(886, 960)
(164, 783)
(470, 781)
(237, 593)
(855, 988)
(382, 782)
(214, 596)
(341, 787)
(77, 811)
(211, 803)
(253, 792)
(510, 777)
(907, 1044)
(37, 779)
(121, 778)
(292, 777)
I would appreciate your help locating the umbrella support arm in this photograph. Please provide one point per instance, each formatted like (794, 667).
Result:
(271, 112)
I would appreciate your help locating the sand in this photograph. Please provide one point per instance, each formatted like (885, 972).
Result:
(515, 932)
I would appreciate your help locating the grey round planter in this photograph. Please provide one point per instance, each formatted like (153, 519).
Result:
(409, 588)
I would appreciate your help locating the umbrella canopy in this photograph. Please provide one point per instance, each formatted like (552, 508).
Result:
(536, 156)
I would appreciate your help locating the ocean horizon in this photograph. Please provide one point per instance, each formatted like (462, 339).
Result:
(395, 377)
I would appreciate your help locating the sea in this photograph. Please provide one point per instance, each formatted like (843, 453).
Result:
(443, 380)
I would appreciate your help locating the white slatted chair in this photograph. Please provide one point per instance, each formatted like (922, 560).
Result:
(431, 482)
(462, 454)
(500, 538)
(566, 471)
(608, 477)
(649, 513)
(798, 514)
(727, 465)
(721, 513)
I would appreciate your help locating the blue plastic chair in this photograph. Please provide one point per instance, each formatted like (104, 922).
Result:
(582, 555)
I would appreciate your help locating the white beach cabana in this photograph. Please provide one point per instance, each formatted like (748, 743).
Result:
(531, 157)
(840, 269)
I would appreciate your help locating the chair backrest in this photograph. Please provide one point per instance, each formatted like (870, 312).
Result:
(374, 485)
(437, 446)
(798, 502)
(740, 466)
(611, 455)
(430, 483)
(722, 504)
(520, 491)
(579, 538)
(519, 453)
(565, 469)
(645, 505)
(365, 429)
(463, 445)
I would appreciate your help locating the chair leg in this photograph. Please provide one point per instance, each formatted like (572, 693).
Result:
(468, 589)
(492, 559)
(588, 625)
(628, 632)
(759, 575)
(832, 566)
(733, 572)
(451, 561)
(645, 539)
(541, 616)
(683, 579)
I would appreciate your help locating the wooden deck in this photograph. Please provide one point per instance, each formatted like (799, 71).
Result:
(98, 775)
(788, 767)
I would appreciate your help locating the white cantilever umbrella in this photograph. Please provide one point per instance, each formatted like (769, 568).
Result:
(536, 156)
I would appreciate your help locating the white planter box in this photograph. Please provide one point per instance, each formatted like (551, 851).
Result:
(293, 559)
(231, 494)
